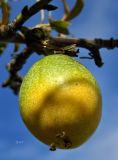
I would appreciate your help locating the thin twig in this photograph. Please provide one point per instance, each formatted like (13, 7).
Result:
(29, 12)
(14, 81)
(8, 30)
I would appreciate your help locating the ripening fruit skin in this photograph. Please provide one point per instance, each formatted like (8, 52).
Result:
(60, 101)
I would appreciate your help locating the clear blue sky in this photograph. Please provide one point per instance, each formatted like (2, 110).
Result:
(98, 20)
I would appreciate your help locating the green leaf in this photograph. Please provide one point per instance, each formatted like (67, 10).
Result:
(76, 10)
(60, 26)
(66, 7)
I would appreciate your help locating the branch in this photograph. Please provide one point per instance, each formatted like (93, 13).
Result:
(29, 12)
(38, 40)
(14, 81)
(50, 45)
(10, 29)
(79, 42)
(85, 43)
(92, 45)
(14, 38)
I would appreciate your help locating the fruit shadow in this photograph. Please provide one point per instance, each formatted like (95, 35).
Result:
(66, 100)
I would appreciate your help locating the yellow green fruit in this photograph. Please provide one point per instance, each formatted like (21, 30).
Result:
(60, 101)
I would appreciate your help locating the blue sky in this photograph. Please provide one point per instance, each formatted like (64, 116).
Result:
(98, 20)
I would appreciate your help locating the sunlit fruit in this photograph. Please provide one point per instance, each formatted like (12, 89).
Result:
(60, 102)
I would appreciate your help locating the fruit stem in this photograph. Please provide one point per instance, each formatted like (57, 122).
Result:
(66, 140)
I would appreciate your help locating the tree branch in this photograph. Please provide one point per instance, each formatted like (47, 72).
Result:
(61, 42)
(14, 81)
(15, 38)
(54, 44)
(39, 40)
(85, 43)
(10, 29)
(29, 12)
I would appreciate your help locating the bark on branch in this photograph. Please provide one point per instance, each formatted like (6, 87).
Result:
(61, 42)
